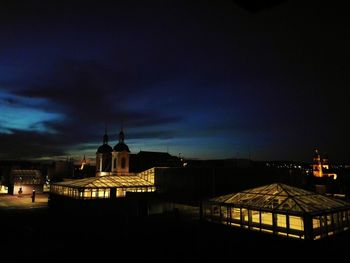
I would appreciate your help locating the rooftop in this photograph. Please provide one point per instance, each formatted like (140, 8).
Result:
(107, 182)
(282, 198)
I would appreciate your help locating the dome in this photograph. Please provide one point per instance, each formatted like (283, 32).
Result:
(121, 146)
(104, 148)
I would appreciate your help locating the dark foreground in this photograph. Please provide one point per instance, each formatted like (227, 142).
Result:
(46, 235)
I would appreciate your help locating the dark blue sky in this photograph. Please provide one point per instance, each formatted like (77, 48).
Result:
(207, 79)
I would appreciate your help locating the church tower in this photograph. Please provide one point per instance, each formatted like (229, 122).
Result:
(104, 157)
(317, 165)
(120, 156)
(320, 166)
(83, 163)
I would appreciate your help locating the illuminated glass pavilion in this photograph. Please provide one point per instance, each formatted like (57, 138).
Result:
(102, 187)
(281, 210)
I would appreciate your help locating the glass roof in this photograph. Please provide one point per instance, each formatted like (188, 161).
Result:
(107, 182)
(281, 197)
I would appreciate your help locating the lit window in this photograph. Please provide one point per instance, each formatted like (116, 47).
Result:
(266, 218)
(281, 221)
(316, 223)
(296, 222)
(236, 213)
(255, 217)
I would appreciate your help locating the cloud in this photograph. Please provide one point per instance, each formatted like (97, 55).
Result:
(29, 144)
(20, 113)
(171, 70)
(73, 103)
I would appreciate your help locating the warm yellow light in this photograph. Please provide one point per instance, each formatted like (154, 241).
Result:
(266, 218)
(281, 221)
(255, 216)
(296, 222)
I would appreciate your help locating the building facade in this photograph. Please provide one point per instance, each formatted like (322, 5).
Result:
(113, 161)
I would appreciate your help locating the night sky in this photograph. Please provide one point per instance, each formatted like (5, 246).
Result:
(207, 79)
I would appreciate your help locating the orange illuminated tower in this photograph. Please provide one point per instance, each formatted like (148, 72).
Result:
(320, 166)
(317, 165)
(83, 163)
